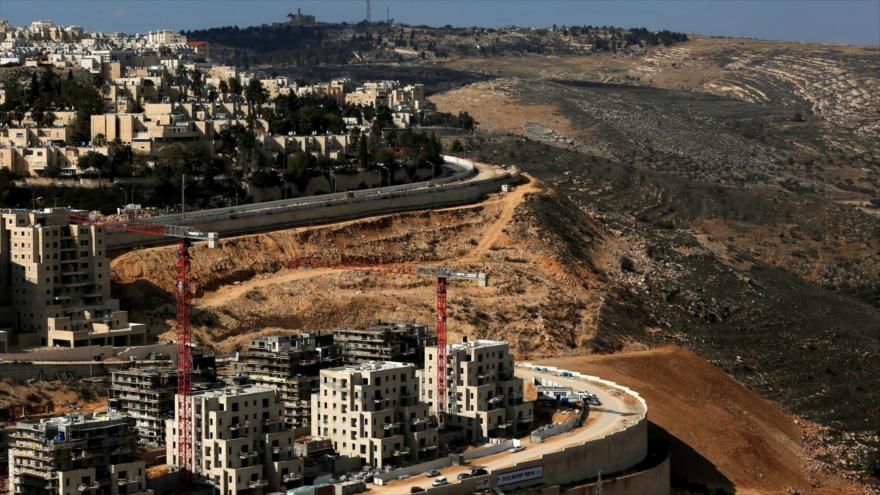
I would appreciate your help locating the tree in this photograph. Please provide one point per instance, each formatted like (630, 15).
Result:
(95, 161)
(265, 178)
(196, 84)
(362, 153)
(456, 147)
(255, 94)
(224, 88)
(43, 119)
(33, 90)
(299, 163)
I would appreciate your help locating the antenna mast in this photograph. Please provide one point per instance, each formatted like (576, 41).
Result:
(369, 17)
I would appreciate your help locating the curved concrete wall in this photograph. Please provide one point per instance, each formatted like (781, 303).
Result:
(459, 188)
(652, 481)
(613, 453)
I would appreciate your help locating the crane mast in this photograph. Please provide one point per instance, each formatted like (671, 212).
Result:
(186, 236)
(442, 274)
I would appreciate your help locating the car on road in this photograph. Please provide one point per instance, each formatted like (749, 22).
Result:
(416, 489)
(439, 481)
(431, 473)
(463, 476)
(479, 471)
(518, 448)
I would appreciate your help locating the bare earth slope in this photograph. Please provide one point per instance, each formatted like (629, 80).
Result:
(729, 436)
(556, 289)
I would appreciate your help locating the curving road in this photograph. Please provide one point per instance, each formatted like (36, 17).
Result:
(618, 410)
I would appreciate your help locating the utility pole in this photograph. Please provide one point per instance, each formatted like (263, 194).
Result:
(183, 199)
(369, 17)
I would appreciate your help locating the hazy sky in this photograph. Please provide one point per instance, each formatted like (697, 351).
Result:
(837, 21)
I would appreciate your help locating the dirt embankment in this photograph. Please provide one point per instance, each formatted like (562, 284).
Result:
(537, 299)
(721, 434)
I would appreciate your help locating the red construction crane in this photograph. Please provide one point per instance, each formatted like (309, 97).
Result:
(442, 274)
(184, 336)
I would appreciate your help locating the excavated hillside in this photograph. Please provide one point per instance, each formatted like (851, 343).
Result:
(544, 292)
(564, 281)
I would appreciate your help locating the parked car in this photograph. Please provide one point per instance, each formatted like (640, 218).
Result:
(463, 476)
(416, 489)
(439, 481)
(518, 448)
(431, 473)
(479, 471)
(403, 477)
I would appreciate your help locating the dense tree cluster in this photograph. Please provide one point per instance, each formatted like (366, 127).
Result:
(309, 114)
(302, 45)
(462, 121)
(47, 93)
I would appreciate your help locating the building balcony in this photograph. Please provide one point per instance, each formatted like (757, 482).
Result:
(87, 487)
(257, 483)
(291, 478)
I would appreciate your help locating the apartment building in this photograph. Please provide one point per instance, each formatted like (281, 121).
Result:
(159, 125)
(147, 396)
(336, 89)
(241, 444)
(484, 398)
(372, 411)
(34, 161)
(291, 363)
(55, 283)
(332, 146)
(403, 342)
(24, 137)
(74, 455)
(164, 37)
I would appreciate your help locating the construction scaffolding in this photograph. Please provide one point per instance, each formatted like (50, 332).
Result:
(401, 342)
(291, 364)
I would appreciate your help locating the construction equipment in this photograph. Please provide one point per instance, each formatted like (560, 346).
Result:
(378, 264)
(184, 336)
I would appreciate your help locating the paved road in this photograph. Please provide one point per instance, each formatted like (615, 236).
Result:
(614, 414)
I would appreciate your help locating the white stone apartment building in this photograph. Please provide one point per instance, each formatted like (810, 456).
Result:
(55, 283)
(371, 411)
(484, 398)
(240, 442)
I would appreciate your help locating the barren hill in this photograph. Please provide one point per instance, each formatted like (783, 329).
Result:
(561, 284)
(720, 195)
(721, 434)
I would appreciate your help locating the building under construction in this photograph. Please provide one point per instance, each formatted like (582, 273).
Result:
(291, 364)
(147, 395)
(76, 454)
(400, 342)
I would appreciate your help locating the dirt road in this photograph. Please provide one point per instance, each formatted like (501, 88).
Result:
(509, 203)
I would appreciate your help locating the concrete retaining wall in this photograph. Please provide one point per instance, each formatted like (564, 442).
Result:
(326, 208)
(46, 371)
(490, 449)
(651, 481)
(548, 431)
(613, 453)
(439, 463)
(445, 461)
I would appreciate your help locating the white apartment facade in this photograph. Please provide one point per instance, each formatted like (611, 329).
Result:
(371, 410)
(240, 442)
(484, 398)
(55, 283)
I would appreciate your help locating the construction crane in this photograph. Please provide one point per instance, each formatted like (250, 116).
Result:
(184, 335)
(442, 275)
